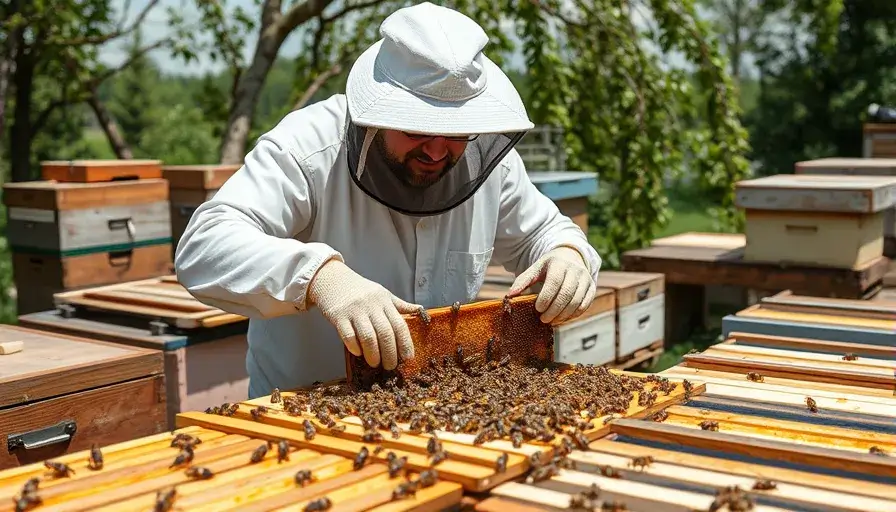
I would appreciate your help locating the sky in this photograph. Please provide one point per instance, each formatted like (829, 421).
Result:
(156, 26)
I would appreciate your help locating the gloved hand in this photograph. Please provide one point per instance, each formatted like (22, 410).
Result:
(568, 288)
(366, 315)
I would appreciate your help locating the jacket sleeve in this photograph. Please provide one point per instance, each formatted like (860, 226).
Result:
(238, 252)
(530, 224)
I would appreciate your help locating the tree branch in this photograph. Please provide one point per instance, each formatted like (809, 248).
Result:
(96, 81)
(44, 115)
(316, 84)
(270, 13)
(80, 41)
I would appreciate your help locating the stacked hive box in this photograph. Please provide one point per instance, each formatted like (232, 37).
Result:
(859, 166)
(89, 223)
(833, 221)
(570, 192)
(879, 140)
(189, 187)
(640, 313)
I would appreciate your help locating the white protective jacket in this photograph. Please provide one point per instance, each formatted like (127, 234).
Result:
(254, 247)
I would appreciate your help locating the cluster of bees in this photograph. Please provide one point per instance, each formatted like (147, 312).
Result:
(29, 498)
(734, 498)
(589, 501)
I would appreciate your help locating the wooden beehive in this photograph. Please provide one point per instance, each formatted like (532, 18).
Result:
(586, 339)
(63, 393)
(570, 191)
(859, 167)
(847, 320)
(640, 310)
(834, 221)
(87, 171)
(65, 236)
(190, 186)
(204, 348)
(879, 140)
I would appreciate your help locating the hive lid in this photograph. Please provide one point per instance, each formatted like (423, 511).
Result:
(817, 193)
(199, 177)
(86, 171)
(517, 331)
(848, 166)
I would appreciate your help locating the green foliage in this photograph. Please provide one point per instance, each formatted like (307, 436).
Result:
(629, 117)
(818, 79)
(179, 136)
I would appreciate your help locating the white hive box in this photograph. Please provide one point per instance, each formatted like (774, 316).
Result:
(823, 220)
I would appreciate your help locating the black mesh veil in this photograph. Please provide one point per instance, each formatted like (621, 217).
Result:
(371, 171)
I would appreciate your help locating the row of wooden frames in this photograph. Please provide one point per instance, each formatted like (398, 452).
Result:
(739, 427)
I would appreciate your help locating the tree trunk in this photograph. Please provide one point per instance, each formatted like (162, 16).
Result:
(116, 139)
(319, 81)
(245, 98)
(20, 134)
(7, 67)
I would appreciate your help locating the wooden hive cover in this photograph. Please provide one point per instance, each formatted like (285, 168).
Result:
(704, 240)
(517, 332)
(631, 287)
(787, 301)
(199, 177)
(84, 171)
(52, 365)
(848, 166)
(817, 193)
(54, 195)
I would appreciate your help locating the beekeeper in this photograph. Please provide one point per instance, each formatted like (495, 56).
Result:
(364, 206)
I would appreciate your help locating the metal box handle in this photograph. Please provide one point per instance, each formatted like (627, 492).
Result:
(589, 342)
(58, 433)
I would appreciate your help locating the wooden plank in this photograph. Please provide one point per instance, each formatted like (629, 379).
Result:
(806, 372)
(804, 433)
(820, 193)
(55, 364)
(199, 177)
(137, 299)
(787, 452)
(828, 305)
(696, 239)
(815, 481)
(55, 195)
(471, 476)
(806, 317)
(84, 171)
(864, 364)
(810, 345)
(868, 394)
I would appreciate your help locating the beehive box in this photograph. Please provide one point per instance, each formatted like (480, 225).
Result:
(190, 186)
(204, 349)
(847, 320)
(569, 190)
(859, 167)
(834, 221)
(640, 309)
(879, 140)
(91, 171)
(63, 393)
(586, 339)
(66, 236)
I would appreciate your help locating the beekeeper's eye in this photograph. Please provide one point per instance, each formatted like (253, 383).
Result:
(453, 138)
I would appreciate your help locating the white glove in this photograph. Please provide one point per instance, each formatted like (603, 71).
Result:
(366, 315)
(568, 288)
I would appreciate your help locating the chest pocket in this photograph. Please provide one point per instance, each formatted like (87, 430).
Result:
(464, 275)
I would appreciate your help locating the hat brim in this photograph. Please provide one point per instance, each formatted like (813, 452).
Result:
(374, 101)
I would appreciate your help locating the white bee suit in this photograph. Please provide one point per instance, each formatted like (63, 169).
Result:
(294, 205)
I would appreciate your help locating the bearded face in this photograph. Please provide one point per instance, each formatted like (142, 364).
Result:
(419, 160)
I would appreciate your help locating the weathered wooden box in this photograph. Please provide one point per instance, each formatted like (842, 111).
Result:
(190, 186)
(834, 221)
(640, 309)
(62, 393)
(569, 190)
(879, 140)
(69, 235)
(859, 167)
(587, 339)
(799, 316)
(87, 171)
(204, 349)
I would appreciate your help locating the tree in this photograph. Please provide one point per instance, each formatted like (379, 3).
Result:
(818, 80)
(739, 25)
(59, 41)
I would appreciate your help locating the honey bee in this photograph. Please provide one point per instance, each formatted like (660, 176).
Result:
(372, 436)
(95, 461)
(709, 425)
(258, 412)
(613, 506)
(764, 485)
(542, 473)
(688, 389)
(424, 315)
(199, 473)
(404, 490)
(755, 377)
(379, 448)
(282, 451)
(876, 450)
(641, 462)
(318, 505)
(395, 430)
(165, 500)
(275, 396)
(303, 477)
(258, 454)
(26, 501)
(850, 356)
(506, 304)
(811, 405)
(397, 465)
(427, 478)
(58, 469)
(437, 458)
(361, 458)
(184, 457)
(31, 486)
(516, 438)
(433, 445)
(501, 463)
(455, 308)
(660, 416)
(310, 431)
(181, 440)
